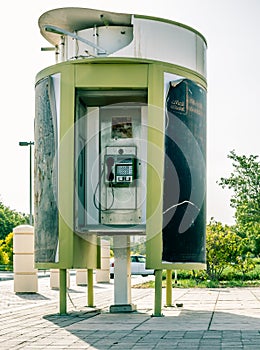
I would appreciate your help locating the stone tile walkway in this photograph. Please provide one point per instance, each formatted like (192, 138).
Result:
(209, 319)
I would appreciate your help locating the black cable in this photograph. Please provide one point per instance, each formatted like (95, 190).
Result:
(113, 196)
(95, 193)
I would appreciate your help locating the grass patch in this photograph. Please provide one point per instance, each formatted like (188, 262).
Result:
(198, 279)
(192, 283)
(149, 284)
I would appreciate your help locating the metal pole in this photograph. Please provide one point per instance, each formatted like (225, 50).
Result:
(168, 288)
(31, 182)
(90, 288)
(158, 294)
(122, 276)
(63, 291)
(31, 143)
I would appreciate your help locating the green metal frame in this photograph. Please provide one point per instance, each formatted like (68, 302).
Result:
(113, 73)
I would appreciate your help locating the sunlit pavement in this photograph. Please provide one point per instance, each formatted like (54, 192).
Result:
(209, 319)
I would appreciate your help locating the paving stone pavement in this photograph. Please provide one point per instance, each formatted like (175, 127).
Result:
(210, 319)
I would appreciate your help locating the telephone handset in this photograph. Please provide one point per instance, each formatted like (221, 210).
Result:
(120, 170)
(109, 174)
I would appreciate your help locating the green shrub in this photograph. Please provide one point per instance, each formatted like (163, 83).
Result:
(6, 250)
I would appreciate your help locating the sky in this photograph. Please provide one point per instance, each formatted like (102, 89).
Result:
(232, 31)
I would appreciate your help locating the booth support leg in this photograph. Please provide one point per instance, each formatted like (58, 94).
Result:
(158, 294)
(63, 291)
(90, 288)
(168, 288)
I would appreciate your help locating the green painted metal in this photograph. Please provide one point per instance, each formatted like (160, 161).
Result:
(165, 67)
(168, 288)
(98, 262)
(109, 73)
(63, 291)
(110, 76)
(90, 288)
(114, 73)
(158, 294)
(66, 166)
(155, 166)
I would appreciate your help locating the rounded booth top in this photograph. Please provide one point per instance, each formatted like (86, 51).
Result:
(80, 33)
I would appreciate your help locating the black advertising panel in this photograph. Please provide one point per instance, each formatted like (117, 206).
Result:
(184, 195)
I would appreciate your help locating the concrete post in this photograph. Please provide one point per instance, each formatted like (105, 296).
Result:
(55, 279)
(103, 274)
(81, 277)
(25, 275)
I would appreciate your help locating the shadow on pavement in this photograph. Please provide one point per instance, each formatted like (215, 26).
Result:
(32, 296)
(179, 327)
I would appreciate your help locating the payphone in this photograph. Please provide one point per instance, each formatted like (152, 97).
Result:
(120, 187)
(120, 170)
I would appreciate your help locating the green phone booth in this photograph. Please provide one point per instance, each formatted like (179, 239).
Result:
(120, 145)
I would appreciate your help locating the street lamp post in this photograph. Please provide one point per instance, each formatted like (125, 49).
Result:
(24, 143)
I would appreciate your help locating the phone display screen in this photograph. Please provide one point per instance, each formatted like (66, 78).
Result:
(122, 170)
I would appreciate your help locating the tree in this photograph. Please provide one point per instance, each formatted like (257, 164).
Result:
(9, 219)
(3, 255)
(223, 248)
(245, 183)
